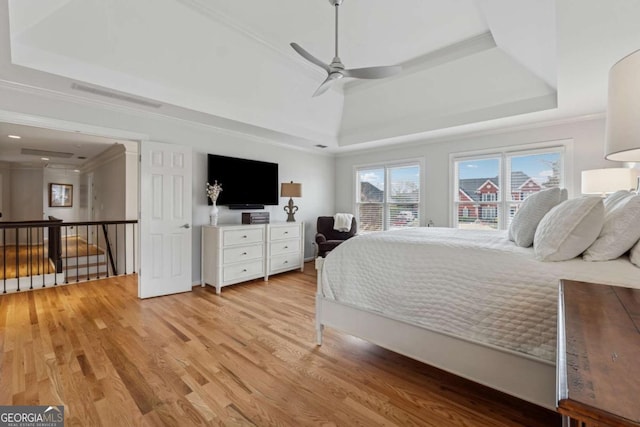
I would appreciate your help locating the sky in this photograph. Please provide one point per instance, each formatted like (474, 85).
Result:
(400, 174)
(536, 166)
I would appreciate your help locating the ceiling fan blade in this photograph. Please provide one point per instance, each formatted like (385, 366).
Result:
(373, 72)
(326, 84)
(306, 55)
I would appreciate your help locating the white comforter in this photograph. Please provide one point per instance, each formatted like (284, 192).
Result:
(474, 284)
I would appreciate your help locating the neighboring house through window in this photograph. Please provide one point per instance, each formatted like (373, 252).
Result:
(479, 179)
(388, 196)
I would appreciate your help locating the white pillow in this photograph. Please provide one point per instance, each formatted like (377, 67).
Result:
(568, 229)
(533, 209)
(564, 194)
(621, 230)
(613, 199)
(634, 255)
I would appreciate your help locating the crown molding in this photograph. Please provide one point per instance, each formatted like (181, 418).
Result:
(62, 125)
(421, 140)
(114, 152)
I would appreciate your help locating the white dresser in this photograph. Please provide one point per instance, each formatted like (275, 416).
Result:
(237, 253)
(285, 248)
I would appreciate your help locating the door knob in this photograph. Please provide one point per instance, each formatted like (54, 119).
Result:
(185, 226)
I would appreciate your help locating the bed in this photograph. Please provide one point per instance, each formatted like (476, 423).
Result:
(469, 302)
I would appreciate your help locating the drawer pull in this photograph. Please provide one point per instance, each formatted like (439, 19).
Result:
(244, 253)
(244, 237)
(286, 247)
(286, 262)
(244, 270)
(286, 232)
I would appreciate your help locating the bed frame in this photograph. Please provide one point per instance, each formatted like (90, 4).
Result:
(516, 374)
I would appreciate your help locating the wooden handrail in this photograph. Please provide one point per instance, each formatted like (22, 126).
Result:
(47, 223)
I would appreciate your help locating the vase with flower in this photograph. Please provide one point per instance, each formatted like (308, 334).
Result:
(213, 191)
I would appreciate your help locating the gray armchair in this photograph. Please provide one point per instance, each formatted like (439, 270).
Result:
(327, 238)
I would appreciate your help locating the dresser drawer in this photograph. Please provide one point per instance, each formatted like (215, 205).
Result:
(285, 232)
(242, 253)
(239, 237)
(241, 271)
(284, 247)
(284, 262)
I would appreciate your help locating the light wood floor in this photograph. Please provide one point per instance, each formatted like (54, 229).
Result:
(40, 263)
(246, 357)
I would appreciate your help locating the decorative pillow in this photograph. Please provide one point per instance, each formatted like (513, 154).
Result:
(634, 255)
(613, 199)
(564, 194)
(621, 230)
(533, 209)
(569, 228)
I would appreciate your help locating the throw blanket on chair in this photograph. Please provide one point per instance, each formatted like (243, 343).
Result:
(342, 221)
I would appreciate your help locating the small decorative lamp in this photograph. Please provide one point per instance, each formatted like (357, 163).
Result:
(622, 142)
(290, 189)
(607, 181)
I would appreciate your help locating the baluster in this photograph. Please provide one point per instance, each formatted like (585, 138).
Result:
(66, 254)
(56, 235)
(30, 257)
(87, 255)
(107, 244)
(17, 259)
(115, 273)
(133, 227)
(77, 252)
(45, 264)
(125, 249)
(97, 252)
(4, 260)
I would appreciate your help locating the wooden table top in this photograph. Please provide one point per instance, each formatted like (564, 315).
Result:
(599, 353)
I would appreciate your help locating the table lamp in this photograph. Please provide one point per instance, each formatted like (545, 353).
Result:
(290, 189)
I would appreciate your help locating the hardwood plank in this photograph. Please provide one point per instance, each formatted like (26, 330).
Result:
(246, 357)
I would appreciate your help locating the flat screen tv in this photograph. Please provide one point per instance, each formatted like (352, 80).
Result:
(246, 184)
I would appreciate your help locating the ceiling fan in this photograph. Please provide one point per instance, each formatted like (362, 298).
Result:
(336, 69)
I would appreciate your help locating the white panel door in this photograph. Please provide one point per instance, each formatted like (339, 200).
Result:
(165, 219)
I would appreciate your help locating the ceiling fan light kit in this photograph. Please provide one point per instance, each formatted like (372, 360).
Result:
(336, 69)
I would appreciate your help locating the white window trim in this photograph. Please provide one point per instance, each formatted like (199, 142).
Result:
(390, 164)
(565, 146)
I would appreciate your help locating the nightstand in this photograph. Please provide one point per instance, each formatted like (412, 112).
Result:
(598, 357)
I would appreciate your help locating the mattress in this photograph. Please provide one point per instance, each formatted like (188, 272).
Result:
(472, 284)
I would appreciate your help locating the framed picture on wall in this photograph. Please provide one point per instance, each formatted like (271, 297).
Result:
(60, 195)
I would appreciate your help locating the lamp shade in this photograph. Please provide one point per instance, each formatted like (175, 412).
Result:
(610, 180)
(290, 189)
(623, 111)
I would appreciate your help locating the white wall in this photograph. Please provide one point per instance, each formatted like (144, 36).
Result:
(26, 194)
(61, 176)
(109, 183)
(588, 153)
(313, 169)
(5, 191)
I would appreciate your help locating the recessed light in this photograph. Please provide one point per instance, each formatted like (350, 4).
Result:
(76, 170)
(14, 136)
(44, 158)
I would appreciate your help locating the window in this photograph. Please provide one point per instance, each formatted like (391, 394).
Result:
(489, 189)
(388, 197)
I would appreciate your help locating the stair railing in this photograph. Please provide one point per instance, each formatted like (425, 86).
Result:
(52, 252)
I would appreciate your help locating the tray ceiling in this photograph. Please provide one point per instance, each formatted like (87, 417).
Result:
(466, 62)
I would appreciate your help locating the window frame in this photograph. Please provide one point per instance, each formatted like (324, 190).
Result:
(386, 165)
(504, 202)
